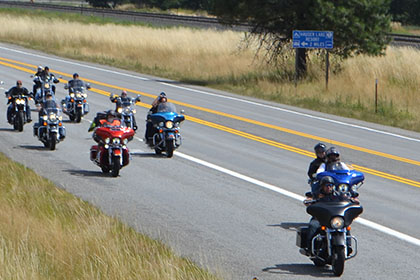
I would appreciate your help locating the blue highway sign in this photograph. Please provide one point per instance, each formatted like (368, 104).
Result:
(313, 39)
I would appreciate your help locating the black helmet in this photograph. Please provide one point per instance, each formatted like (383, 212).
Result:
(320, 147)
(326, 180)
(46, 68)
(332, 151)
(75, 75)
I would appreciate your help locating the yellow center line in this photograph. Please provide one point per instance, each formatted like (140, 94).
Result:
(244, 134)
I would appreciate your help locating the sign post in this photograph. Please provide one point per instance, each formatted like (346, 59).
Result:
(310, 39)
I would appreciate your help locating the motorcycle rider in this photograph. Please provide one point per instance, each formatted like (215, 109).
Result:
(11, 95)
(333, 157)
(321, 158)
(105, 118)
(37, 82)
(124, 99)
(46, 76)
(327, 194)
(149, 125)
(71, 85)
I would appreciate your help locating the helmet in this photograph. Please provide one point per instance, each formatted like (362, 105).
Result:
(332, 151)
(75, 75)
(46, 68)
(39, 67)
(124, 93)
(162, 94)
(326, 181)
(320, 147)
(48, 94)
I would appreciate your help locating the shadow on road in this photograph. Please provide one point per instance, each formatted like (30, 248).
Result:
(32, 147)
(300, 269)
(6, 129)
(147, 155)
(85, 173)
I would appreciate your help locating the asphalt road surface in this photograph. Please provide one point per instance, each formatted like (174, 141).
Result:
(230, 196)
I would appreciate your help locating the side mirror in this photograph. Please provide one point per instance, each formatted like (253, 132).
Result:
(138, 98)
(1, 82)
(88, 86)
(182, 111)
(66, 87)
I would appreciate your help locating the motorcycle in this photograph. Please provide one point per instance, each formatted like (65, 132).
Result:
(45, 86)
(126, 111)
(18, 113)
(166, 121)
(76, 105)
(50, 129)
(111, 153)
(333, 244)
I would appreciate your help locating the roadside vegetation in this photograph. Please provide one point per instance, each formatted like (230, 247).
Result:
(220, 59)
(47, 233)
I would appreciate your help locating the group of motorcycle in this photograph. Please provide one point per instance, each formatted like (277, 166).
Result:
(111, 153)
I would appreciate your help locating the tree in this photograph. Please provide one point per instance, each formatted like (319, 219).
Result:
(360, 26)
(104, 3)
(406, 11)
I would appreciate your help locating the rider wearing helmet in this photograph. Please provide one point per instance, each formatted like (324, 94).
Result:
(149, 125)
(124, 101)
(319, 149)
(36, 80)
(46, 76)
(71, 86)
(333, 158)
(11, 94)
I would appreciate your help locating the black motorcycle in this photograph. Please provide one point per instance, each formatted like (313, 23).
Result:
(44, 86)
(126, 111)
(50, 129)
(18, 113)
(75, 105)
(332, 243)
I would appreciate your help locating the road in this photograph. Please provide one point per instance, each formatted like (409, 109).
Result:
(230, 193)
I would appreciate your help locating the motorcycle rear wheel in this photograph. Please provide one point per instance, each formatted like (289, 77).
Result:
(338, 261)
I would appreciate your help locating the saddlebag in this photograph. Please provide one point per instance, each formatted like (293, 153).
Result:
(93, 152)
(301, 237)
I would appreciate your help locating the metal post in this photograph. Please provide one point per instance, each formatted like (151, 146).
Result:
(376, 96)
(327, 68)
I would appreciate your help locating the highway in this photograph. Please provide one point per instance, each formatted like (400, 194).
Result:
(229, 197)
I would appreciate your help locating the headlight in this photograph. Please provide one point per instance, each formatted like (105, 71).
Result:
(78, 95)
(53, 117)
(169, 124)
(160, 124)
(116, 141)
(84, 95)
(343, 188)
(337, 222)
(60, 118)
(107, 140)
(125, 141)
(72, 95)
(45, 117)
(119, 110)
(20, 101)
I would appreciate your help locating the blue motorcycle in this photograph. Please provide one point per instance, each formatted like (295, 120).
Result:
(166, 136)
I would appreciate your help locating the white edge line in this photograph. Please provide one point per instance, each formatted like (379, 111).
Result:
(222, 96)
(300, 198)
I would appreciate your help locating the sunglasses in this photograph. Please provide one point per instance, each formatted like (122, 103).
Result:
(329, 185)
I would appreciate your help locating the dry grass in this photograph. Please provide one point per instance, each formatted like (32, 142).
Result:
(214, 58)
(46, 233)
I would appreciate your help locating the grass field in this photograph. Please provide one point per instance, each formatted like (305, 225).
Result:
(219, 59)
(46, 233)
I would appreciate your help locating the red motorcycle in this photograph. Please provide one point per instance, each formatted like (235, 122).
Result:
(111, 153)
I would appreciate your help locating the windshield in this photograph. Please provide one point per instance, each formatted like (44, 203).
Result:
(77, 85)
(166, 107)
(51, 110)
(126, 102)
(338, 166)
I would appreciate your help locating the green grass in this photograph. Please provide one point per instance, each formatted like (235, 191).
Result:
(47, 233)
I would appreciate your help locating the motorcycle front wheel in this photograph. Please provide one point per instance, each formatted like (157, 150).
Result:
(52, 141)
(115, 166)
(78, 116)
(19, 121)
(338, 261)
(169, 148)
